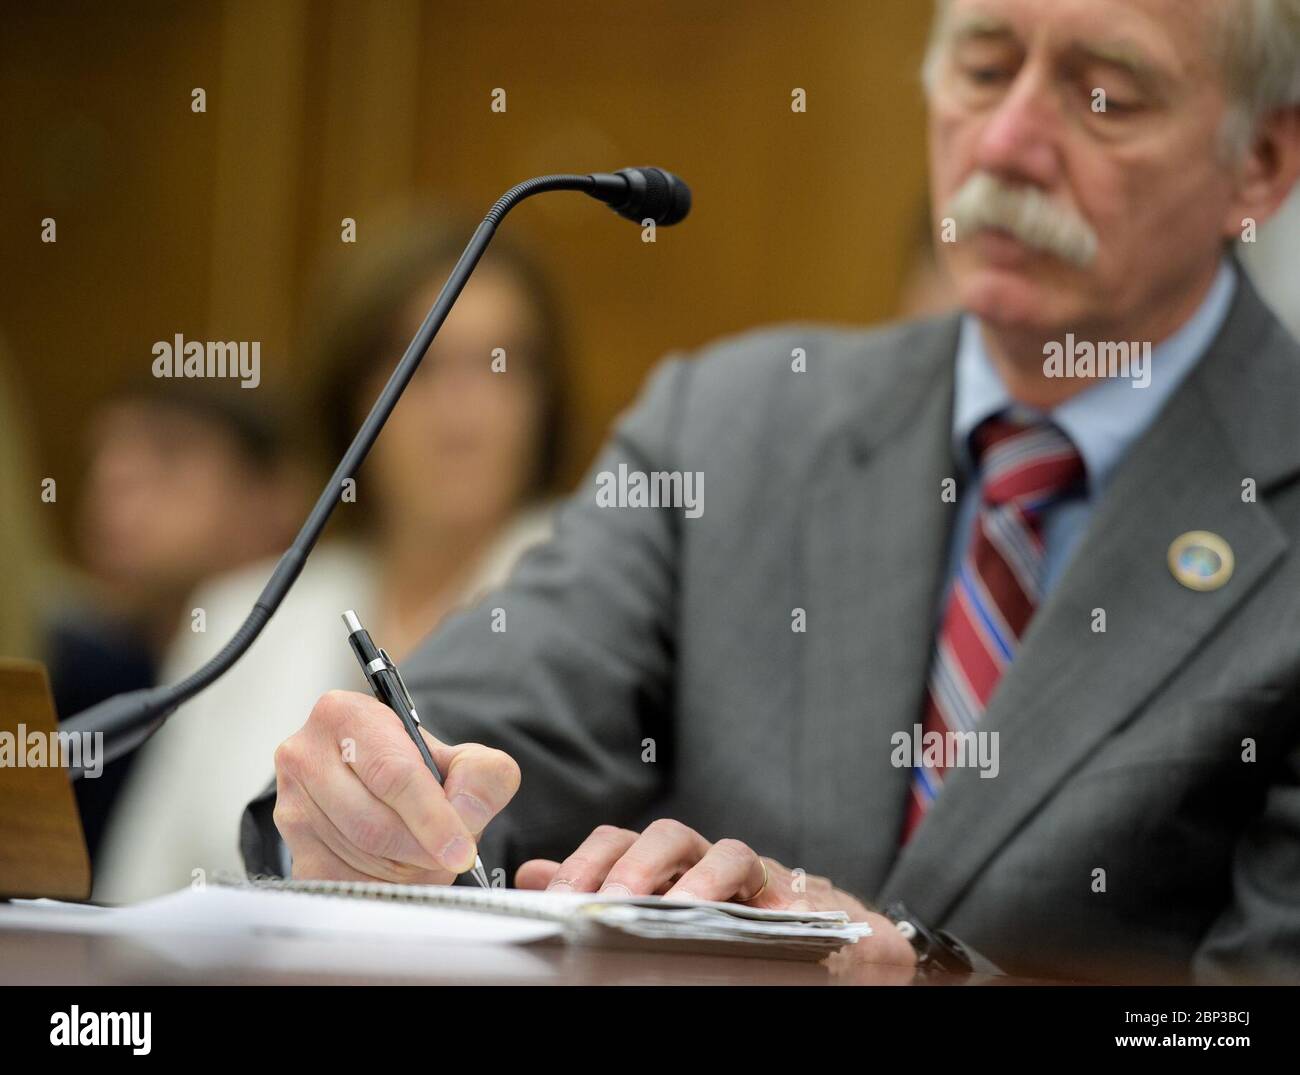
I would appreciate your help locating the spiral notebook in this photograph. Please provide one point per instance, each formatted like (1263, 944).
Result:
(515, 916)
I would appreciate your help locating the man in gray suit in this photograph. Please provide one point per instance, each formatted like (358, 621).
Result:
(998, 615)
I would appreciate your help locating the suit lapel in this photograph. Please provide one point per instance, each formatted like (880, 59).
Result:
(1071, 687)
(870, 568)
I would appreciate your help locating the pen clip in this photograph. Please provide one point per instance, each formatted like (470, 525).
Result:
(401, 683)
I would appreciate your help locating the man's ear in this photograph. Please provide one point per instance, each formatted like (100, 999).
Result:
(1269, 171)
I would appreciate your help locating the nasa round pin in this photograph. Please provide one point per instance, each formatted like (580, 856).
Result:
(1201, 560)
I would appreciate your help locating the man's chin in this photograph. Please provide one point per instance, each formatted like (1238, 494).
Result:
(1016, 302)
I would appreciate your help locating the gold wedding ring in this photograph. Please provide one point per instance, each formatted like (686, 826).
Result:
(761, 888)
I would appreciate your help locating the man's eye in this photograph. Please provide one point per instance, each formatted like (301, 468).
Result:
(1107, 104)
(1109, 94)
(986, 76)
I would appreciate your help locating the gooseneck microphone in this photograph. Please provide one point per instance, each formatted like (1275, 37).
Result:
(644, 193)
(127, 720)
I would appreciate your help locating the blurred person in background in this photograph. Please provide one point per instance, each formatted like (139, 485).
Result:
(453, 491)
(184, 479)
(165, 463)
(49, 614)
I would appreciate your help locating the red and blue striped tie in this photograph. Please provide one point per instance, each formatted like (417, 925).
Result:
(1025, 469)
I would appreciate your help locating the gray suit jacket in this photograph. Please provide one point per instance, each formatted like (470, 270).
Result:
(1125, 835)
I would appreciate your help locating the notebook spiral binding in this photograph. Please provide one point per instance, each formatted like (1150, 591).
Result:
(425, 895)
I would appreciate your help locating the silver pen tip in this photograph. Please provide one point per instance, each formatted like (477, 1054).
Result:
(350, 620)
(480, 874)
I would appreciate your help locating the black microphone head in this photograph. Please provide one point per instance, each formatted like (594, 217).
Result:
(641, 193)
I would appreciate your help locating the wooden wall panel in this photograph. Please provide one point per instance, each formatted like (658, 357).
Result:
(170, 221)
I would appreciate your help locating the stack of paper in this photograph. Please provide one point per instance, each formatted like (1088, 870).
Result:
(586, 918)
(238, 912)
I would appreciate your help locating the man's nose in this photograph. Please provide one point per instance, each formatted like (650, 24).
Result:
(1021, 137)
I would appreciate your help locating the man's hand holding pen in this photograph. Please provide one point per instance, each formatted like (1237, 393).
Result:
(355, 801)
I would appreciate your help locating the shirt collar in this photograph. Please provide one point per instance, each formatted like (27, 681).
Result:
(1105, 419)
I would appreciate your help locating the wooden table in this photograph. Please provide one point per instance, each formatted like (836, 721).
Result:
(53, 958)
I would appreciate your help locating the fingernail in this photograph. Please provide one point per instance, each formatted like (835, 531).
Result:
(560, 886)
(616, 890)
(458, 855)
(472, 811)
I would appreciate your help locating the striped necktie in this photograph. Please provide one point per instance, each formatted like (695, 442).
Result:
(1025, 468)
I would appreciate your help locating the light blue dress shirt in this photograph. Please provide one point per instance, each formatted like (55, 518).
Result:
(1103, 421)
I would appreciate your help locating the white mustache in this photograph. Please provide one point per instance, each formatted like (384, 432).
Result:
(985, 201)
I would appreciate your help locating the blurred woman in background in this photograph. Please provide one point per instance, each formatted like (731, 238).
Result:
(452, 493)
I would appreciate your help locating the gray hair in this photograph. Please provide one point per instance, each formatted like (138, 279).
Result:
(1260, 51)
(1258, 44)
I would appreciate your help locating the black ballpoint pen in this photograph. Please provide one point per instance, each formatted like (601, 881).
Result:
(387, 685)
